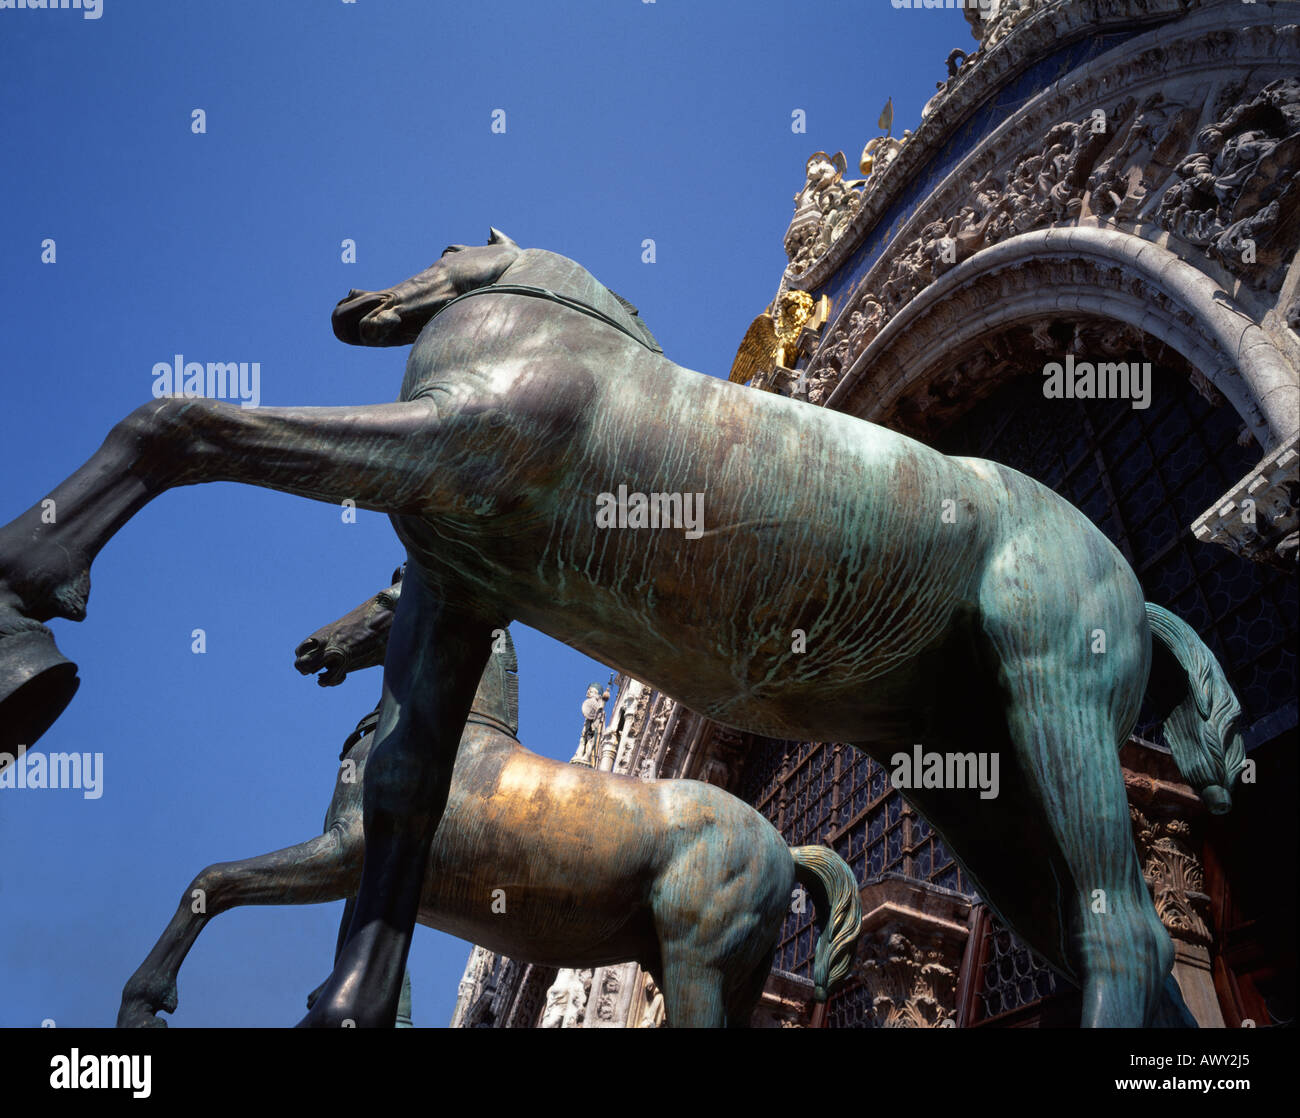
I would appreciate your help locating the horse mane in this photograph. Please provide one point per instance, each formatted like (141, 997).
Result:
(497, 697)
(496, 700)
(637, 320)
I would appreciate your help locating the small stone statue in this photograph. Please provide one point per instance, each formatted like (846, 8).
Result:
(652, 1015)
(879, 153)
(593, 714)
(823, 209)
(566, 999)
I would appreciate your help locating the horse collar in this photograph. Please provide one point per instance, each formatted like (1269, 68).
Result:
(551, 296)
(368, 724)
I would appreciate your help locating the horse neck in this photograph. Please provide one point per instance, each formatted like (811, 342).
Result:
(536, 267)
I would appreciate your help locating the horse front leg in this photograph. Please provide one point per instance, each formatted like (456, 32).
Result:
(383, 457)
(403, 1002)
(437, 652)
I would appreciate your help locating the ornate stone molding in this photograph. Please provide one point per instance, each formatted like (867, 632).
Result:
(1077, 273)
(909, 365)
(610, 1002)
(914, 988)
(1174, 874)
(1259, 518)
(1107, 146)
(909, 957)
(786, 1003)
(1045, 29)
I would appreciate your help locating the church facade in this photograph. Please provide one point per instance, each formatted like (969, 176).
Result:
(1082, 264)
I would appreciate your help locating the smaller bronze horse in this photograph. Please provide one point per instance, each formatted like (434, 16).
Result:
(586, 868)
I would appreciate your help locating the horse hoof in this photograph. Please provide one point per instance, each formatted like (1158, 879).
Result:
(139, 1017)
(36, 685)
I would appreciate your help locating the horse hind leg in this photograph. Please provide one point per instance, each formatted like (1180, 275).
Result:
(742, 999)
(323, 869)
(327, 454)
(1113, 940)
(693, 991)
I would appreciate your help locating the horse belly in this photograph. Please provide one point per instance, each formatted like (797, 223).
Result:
(544, 861)
(817, 553)
(829, 553)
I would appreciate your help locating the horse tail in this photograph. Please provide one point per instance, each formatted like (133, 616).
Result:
(834, 892)
(1200, 727)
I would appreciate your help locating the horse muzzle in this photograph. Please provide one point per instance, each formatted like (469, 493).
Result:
(365, 318)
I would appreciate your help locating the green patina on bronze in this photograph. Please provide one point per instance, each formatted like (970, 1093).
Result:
(947, 601)
(593, 868)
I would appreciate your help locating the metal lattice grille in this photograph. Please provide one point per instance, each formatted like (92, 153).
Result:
(832, 794)
(1143, 476)
(1012, 976)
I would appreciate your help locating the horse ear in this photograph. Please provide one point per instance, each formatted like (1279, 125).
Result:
(496, 237)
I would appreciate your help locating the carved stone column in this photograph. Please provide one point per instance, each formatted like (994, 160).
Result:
(622, 727)
(913, 938)
(638, 707)
(1162, 812)
(477, 968)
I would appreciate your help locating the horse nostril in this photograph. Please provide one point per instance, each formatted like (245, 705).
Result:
(308, 646)
(351, 311)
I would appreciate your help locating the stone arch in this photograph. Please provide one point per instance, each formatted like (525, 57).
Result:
(1081, 272)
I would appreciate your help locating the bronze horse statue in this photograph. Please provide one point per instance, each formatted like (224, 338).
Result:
(846, 583)
(593, 868)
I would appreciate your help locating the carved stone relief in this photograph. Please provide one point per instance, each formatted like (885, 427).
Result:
(914, 988)
(1237, 195)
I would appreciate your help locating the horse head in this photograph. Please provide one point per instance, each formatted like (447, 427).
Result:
(359, 639)
(356, 640)
(396, 315)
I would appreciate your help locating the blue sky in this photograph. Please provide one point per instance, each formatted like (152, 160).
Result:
(329, 120)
